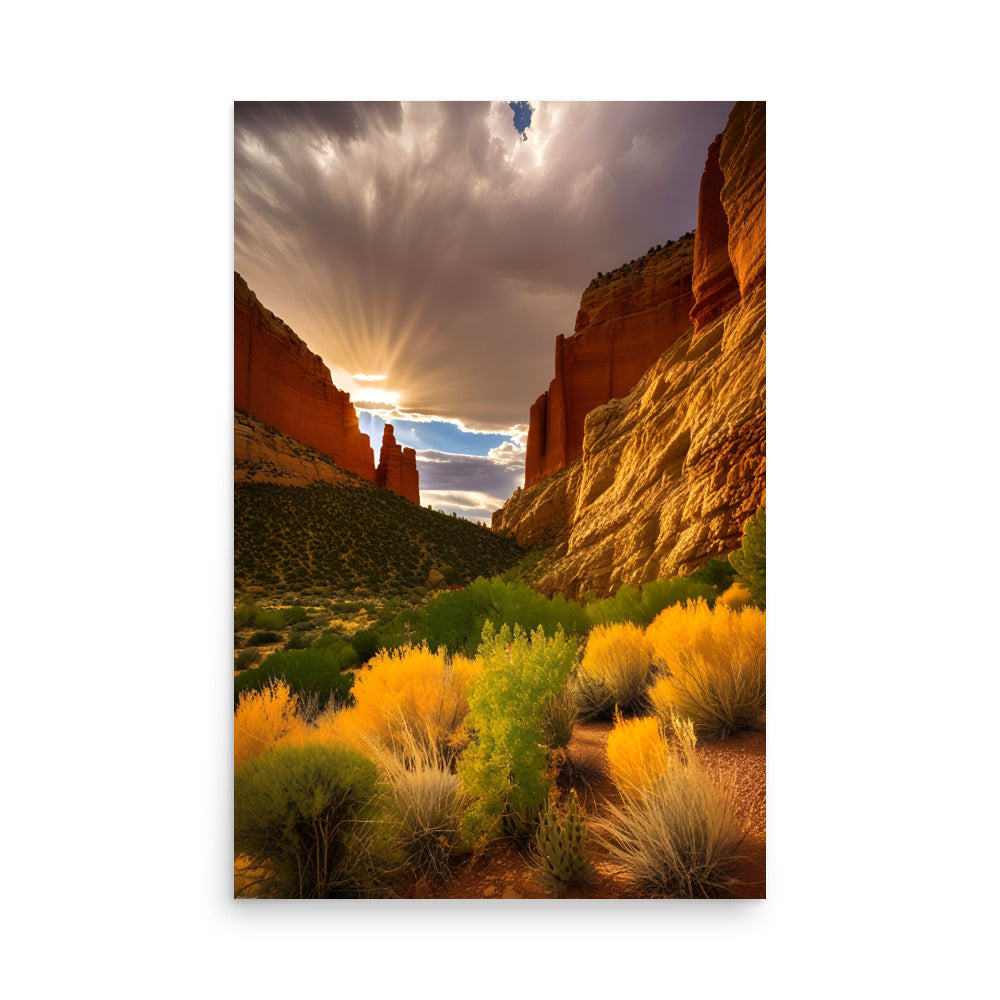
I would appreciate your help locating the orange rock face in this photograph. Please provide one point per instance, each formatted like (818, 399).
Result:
(744, 190)
(713, 283)
(669, 475)
(397, 468)
(281, 382)
(626, 321)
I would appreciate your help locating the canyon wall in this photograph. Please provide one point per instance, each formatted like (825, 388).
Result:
(282, 384)
(626, 320)
(265, 455)
(669, 473)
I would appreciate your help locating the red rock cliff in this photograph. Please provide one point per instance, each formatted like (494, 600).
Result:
(713, 284)
(397, 468)
(281, 382)
(627, 319)
(669, 475)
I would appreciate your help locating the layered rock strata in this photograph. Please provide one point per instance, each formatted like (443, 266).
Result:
(284, 393)
(281, 382)
(263, 454)
(626, 320)
(397, 467)
(669, 474)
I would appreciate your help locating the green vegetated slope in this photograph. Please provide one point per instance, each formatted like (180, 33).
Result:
(355, 538)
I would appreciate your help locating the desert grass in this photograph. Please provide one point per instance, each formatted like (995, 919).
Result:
(675, 834)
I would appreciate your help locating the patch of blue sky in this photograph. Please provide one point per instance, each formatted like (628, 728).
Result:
(433, 435)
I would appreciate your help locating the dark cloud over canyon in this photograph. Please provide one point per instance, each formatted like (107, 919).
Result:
(431, 244)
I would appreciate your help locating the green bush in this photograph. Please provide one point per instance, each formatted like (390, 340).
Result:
(455, 619)
(245, 615)
(750, 561)
(366, 645)
(641, 605)
(303, 816)
(263, 638)
(270, 620)
(246, 658)
(298, 640)
(292, 615)
(308, 672)
(717, 572)
(504, 767)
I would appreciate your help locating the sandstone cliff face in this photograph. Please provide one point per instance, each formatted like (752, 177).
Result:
(265, 455)
(713, 284)
(281, 382)
(397, 467)
(626, 320)
(282, 387)
(669, 474)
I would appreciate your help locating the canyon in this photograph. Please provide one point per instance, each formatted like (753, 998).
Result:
(646, 455)
(281, 386)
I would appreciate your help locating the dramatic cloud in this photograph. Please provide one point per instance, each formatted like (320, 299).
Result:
(436, 246)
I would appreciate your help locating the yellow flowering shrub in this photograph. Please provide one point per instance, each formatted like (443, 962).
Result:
(405, 694)
(263, 719)
(715, 666)
(637, 753)
(736, 597)
(615, 670)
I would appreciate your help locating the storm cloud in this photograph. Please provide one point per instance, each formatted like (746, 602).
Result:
(431, 244)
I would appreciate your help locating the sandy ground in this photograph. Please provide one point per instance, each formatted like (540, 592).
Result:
(501, 872)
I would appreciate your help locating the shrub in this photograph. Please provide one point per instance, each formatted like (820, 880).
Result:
(263, 718)
(366, 645)
(246, 658)
(641, 605)
(298, 640)
(292, 615)
(560, 848)
(615, 671)
(504, 768)
(750, 561)
(717, 572)
(263, 638)
(717, 666)
(637, 753)
(307, 672)
(271, 620)
(455, 619)
(736, 597)
(409, 694)
(559, 718)
(427, 804)
(303, 817)
(674, 834)
(245, 615)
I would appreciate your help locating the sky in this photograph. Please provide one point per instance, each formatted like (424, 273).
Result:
(430, 252)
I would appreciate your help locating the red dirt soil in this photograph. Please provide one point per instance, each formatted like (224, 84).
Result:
(502, 872)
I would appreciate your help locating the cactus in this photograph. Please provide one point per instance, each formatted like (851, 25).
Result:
(559, 844)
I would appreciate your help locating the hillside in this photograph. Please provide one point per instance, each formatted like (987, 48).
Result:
(355, 538)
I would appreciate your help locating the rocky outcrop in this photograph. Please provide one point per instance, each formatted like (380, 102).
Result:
(713, 284)
(397, 467)
(282, 383)
(293, 425)
(742, 160)
(265, 455)
(626, 320)
(669, 474)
